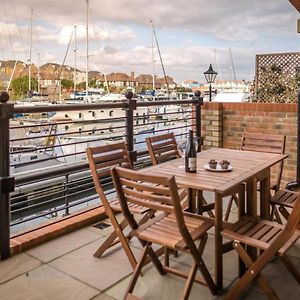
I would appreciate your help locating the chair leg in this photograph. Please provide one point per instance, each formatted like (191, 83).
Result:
(289, 265)
(149, 215)
(201, 202)
(275, 215)
(201, 265)
(284, 212)
(138, 269)
(118, 233)
(249, 276)
(229, 206)
(189, 282)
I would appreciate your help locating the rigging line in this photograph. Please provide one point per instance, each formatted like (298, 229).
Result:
(64, 60)
(218, 64)
(159, 53)
(9, 35)
(92, 20)
(152, 55)
(233, 69)
(19, 28)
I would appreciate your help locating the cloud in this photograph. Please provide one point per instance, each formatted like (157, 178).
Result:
(188, 31)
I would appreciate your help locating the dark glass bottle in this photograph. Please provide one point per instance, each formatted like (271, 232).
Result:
(190, 155)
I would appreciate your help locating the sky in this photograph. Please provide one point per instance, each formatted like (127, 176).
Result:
(191, 34)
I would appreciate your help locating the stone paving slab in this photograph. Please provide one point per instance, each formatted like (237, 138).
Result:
(154, 286)
(17, 265)
(46, 283)
(99, 273)
(64, 244)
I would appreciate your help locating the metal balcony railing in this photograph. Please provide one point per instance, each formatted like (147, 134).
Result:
(43, 167)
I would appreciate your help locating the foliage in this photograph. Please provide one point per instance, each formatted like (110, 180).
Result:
(81, 85)
(183, 89)
(67, 84)
(20, 86)
(276, 85)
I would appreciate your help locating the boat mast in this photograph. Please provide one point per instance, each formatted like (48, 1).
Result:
(87, 47)
(39, 90)
(162, 65)
(152, 48)
(30, 46)
(75, 59)
(232, 64)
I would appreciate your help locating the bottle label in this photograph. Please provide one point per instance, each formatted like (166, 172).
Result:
(192, 163)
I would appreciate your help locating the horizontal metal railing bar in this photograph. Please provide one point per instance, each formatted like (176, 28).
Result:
(152, 114)
(67, 107)
(162, 103)
(66, 122)
(65, 134)
(52, 211)
(58, 189)
(53, 171)
(164, 121)
(74, 107)
(50, 201)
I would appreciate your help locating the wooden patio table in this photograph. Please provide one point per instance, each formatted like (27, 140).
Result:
(247, 167)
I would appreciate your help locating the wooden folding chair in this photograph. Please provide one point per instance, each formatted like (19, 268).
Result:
(262, 143)
(285, 201)
(272, 239)
(172, 228)
(101, 159)
(162, 148)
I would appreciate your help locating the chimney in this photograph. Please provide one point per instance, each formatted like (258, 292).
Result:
(132, 75)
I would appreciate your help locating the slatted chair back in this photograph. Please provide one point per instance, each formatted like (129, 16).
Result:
(161, 193)
(293, 221)
(162, 148)
(155, 192)
(101, 159)
(266, 143)
(282, 202)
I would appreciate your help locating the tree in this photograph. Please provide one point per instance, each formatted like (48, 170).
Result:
(67, 84)
(81, 85)
(20, 86)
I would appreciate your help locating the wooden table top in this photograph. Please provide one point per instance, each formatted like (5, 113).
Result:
(245, 165)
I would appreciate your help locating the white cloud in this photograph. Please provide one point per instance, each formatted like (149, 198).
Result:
(188, 30)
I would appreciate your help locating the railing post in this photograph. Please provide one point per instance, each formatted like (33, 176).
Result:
(131, 106)
(66, 192)
(198, 101)
(6, 182)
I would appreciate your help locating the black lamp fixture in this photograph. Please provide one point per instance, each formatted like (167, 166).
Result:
(210, 76)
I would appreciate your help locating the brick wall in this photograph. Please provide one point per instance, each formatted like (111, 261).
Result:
(224, 123)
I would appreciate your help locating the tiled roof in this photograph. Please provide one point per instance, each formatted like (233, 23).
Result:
(296, 4)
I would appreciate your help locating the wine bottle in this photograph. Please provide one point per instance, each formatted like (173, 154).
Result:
(190, 155)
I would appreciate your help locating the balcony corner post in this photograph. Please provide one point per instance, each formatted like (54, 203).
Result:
(6, 182)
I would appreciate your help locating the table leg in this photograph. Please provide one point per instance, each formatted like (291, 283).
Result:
(251, 211)
(265, 196)
(252, 197)
(218, 241)
(191, 200)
